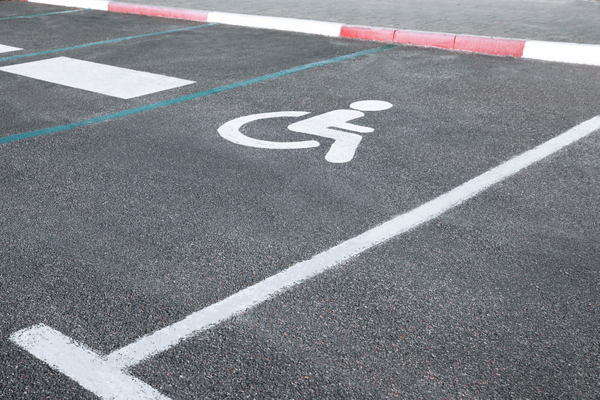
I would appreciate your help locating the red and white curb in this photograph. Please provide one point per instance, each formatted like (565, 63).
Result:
(574, 53)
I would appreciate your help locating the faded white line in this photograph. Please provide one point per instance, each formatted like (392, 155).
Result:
(94, 372)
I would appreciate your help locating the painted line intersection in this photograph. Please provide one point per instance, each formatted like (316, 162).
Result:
(107, 376)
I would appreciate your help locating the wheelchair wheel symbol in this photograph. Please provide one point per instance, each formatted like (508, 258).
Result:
(332, 125)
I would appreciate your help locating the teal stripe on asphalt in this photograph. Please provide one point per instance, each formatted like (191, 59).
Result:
(40, 15)
(104, 42)
(191, 96)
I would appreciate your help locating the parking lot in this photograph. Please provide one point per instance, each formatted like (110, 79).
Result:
(194, 210)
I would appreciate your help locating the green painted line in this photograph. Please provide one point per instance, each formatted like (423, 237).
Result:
(191, 96)
(40, 15)
(104, 42)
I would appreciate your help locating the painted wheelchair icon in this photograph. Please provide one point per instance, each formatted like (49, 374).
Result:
(327, 125)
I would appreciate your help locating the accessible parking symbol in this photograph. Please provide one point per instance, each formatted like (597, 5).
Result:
(332, 125)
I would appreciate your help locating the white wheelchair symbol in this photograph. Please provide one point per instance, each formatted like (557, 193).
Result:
(345, 143)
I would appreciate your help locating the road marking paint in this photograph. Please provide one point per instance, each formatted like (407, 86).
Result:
(113, 81)
(103, 42)
(101, 5)
(231, 131)
(574, 53)
(84, 366)
(40, 15)
(277, 23)
(169, 336)
(7, 49)
(332, 125)
(194, 96)
(101, 373)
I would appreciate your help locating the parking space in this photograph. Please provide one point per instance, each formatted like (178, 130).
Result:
(125, 212)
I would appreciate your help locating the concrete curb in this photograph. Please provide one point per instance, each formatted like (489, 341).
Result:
(573, 53)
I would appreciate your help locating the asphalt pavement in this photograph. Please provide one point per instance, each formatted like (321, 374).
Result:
(122, 217)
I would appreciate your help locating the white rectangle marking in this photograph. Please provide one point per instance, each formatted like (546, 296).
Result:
(588, 54)
(6, 49)
(277, 23)
(101, 5)
(99, 78)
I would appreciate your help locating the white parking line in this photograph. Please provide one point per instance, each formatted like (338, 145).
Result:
(99, 78)
(90, 370)
(167, 337)
(6, 49)
(106, 376)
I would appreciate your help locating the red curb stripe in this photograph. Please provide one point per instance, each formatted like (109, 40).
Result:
(154, 11)
(367, 33)
(441, 40)
(488, 45)
(474, 44)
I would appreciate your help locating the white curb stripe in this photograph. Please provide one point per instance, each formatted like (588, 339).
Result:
(574, 53)
(91, 4)
(277, 23)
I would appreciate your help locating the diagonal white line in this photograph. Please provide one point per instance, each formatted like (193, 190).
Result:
(241, 301)
(107, 376)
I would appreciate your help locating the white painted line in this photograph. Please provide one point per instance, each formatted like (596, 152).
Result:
(7, 49)
(99, 78)
(574, 53)
(169, 336)
(83, 365)
(277, 23)
(106, 376)
(91, 4)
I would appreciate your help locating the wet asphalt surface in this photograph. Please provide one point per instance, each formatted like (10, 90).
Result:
(114, 230)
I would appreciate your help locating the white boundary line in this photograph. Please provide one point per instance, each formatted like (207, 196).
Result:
(106, 376)
(8, 49)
